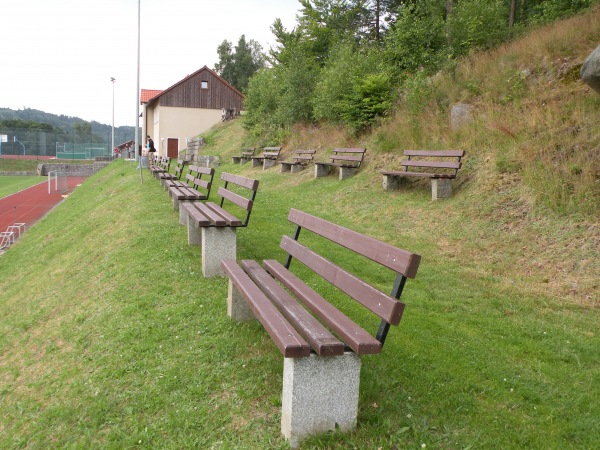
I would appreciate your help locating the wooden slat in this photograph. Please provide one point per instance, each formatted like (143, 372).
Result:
(404, 173)
(438, 153)
(214, 217)
(395, 258)
(346, 158)
(350, 150)
(353, 335)
(286, 338)
(435, 164)
(230, 219)
(239, 200)
(319, 337)
(197, 216)
(386, 307)
(248, 183)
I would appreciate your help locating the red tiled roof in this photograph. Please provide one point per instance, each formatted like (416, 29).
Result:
(148, 94)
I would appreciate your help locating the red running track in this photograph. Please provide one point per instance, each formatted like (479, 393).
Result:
(30, 205)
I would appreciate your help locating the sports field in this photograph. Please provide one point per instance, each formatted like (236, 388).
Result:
(10, 184)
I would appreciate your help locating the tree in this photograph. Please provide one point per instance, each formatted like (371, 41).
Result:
(238, 64)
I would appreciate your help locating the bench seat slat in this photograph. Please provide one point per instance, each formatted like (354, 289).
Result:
(346, 158)
(286, 338)
(404, 173)
(200, 219)
(400, 261)
(354, 336)
(435, 164)
(321, 340)
(385, 306)
(230, 219)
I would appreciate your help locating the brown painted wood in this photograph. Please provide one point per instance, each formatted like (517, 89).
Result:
(386, 307)
(319, 337)
(435, 153)
(353, 335)
(230, 219)
(434, 164)
(400, 261)
(248, 183)
(238, 199)
(196, 216)
(289, 342)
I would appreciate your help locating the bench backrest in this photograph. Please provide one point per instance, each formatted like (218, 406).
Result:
(248, 152)
(240, 191)
(200, 178)
(348, 156)
(448, 161)
(403, 263)
(271, 152)
(304, 156)
(180, 168)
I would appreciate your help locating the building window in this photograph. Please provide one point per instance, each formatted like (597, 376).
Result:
(204, 84)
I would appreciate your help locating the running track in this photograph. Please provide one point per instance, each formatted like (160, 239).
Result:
(30, 205)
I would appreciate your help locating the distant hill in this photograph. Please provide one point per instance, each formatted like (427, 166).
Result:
(66, 124)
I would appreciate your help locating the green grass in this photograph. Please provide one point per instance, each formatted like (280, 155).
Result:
(10, 184)
(110, 337)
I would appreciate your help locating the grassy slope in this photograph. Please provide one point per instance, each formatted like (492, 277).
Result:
(110, 336)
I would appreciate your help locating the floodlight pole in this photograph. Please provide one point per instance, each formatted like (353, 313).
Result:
(112, 79)
(137, 103)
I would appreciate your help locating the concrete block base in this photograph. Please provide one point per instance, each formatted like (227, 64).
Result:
(194, 233)
(441, 188)
(321, 170)
(269, 163)
(286, 167)
(391, 183)
(346, 172)
(319, 395)
(256, 162)
(297, 168)
(244, 160)
(237, 307)
(182, 215)
(218, 243)
(235, 159)
(175, 202)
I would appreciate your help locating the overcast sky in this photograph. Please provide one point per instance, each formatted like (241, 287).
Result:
(58, 56)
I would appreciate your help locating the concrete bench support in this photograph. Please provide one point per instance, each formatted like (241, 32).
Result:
(297, 168)
(321, 170)
(286, 167)
(346, 172)
(441, 188)
(244, 160)
(256, 162)
(218, 243)
(237, 308)
(319, 394)
(183, 217)
(235, 159)
(269, 163)
(391, 183)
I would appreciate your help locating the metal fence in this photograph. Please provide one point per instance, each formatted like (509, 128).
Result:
(28, 143)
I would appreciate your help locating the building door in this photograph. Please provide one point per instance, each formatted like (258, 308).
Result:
(173, 148)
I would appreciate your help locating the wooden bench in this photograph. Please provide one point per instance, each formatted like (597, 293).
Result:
(320, 344)
(160, 165)
(165, 177)
(268, 158)
(214, 227)
(348, 160)
(300, 160)
(246, 155)
(441, 166)
(195, 188)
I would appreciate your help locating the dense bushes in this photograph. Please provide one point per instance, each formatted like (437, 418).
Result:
(337, 66)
